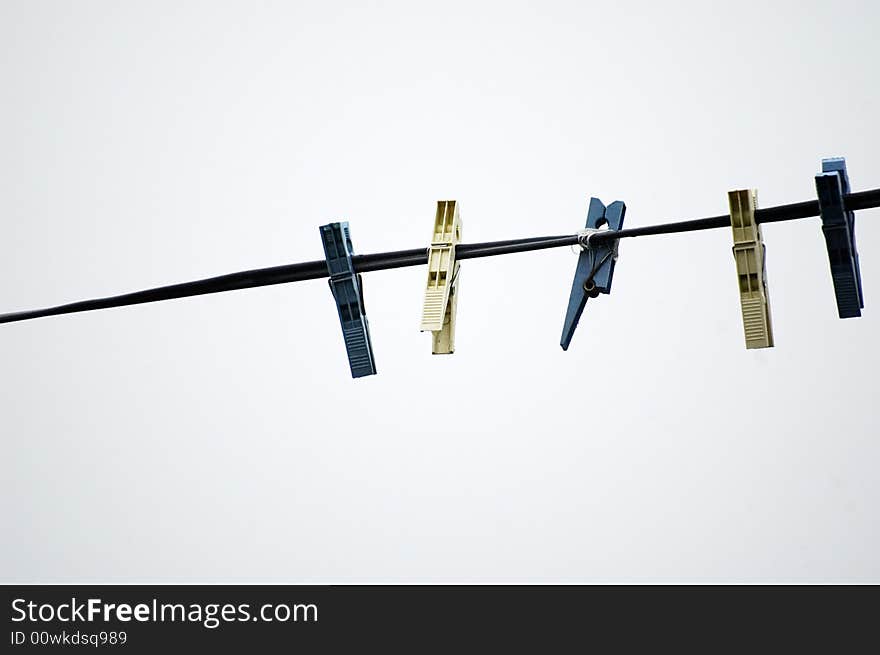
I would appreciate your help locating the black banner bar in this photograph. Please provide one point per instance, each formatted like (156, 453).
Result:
(154, 619)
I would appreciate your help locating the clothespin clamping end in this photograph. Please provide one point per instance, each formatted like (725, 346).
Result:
(347, 288)
(441, 291)
(595, 266)
(839, 228)
(749, 253)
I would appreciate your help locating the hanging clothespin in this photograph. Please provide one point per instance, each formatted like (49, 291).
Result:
(749, 253)
(839, 227)
(595, 266)
(347, 288)
(441, 291)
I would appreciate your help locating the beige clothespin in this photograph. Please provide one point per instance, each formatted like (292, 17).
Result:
(441, 294)
(748, 252)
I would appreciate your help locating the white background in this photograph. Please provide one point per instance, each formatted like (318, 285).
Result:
(221, 439)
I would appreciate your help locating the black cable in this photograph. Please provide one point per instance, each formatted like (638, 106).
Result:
(387, 260)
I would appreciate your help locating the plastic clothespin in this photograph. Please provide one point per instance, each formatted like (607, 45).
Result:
(347, 288)
(748, 253)
(595, 267)
(839, 227)
(441, 291)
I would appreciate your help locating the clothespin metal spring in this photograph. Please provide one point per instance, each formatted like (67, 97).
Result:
(584, 243)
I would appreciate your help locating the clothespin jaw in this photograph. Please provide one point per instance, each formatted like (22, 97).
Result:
(595, 266)
(748, 254)
(441, 296)
(347, 289)
(839, 228)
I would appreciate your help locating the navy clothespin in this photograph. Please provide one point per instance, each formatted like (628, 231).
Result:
(347, 288)
(839, 227)
(595, 267)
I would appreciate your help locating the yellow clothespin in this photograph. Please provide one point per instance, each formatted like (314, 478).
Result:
(438, 311)
(748, 252)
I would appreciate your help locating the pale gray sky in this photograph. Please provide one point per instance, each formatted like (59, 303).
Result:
(221, 439)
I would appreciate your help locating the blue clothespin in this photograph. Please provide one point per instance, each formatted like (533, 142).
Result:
(595, 267)
(839, 227)
(347, 288)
